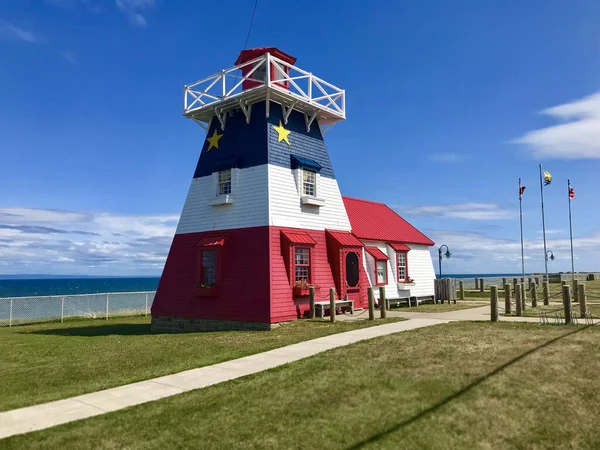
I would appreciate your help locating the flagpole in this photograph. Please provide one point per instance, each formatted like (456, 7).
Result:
(571, 233)
(521, 221)
(544, 225)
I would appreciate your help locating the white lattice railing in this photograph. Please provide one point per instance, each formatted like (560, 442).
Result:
(24, 310)
(299, 85)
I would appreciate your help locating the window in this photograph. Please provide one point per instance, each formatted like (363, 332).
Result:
(309, 183)
(302, 264)
(381, 272)
(208, 275)
(402, 266)
(224, 184)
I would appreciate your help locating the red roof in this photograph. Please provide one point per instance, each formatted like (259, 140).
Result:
(212, 241)
(399, 247)
(345, 239)
(378, 222)
(376, 253)
(252, 53)
(298, 237)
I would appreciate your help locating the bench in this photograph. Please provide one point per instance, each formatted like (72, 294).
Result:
(345, 305)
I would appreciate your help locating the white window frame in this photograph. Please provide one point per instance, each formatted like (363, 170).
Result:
(221, 185)
(313, 183)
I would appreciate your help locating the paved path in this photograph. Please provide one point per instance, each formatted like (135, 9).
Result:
(47, 415)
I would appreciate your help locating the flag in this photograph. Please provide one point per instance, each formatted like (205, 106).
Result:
(547, 178)
(521, 190)
(572, 193)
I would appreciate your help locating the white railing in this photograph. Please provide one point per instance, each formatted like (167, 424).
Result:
(298, 84)
(24, 310)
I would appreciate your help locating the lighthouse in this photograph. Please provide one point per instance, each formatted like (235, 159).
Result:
(264, 218)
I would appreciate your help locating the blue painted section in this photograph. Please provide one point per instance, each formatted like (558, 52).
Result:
(305, 163)
(254, 144)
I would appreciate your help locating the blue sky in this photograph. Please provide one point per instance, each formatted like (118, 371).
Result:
(448, 104)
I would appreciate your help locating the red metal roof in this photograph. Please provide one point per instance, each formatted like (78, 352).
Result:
(252, 53)
(345, 238)
(211, 241)
(378, 222)
(298, 237)
(399, 247)
(376, 253)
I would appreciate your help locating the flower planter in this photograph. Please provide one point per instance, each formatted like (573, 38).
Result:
(405, 286)
(301, 291)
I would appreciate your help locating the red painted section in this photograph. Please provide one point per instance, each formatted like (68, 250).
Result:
(255, 276)
(399, 247)
(378, 222)
(242, 290)
(253, 53)
(376, 253)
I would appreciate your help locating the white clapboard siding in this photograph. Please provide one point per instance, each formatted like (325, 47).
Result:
(420, 269)
(250, 205)
(286, 209)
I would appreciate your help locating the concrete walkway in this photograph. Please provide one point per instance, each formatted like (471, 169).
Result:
(47, 415)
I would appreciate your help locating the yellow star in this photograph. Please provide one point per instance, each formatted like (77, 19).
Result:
(214, 140)
(282, 133)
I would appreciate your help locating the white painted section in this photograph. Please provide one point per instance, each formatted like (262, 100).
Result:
(420, 269)
(250, 207)
(286, 208)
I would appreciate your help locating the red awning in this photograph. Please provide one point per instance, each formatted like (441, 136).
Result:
(298, 237)
(399, 247)
(376, 253)
(212, 241)
(345, 238)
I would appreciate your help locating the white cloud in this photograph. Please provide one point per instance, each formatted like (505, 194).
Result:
(445, 157)
(468, 211)
(69, 57)
(479, 253)
(135, 10)
(66, 242)
(10, 31)
(578, 138)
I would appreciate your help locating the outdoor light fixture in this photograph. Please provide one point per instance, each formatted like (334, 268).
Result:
(447, 255)
(551, 255)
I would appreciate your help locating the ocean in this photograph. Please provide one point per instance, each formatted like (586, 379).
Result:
(70, 286)
(24, 287)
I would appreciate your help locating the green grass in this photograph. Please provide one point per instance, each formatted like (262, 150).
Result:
(550, 309)
(460, 385)
(439, 308)
(40, 363)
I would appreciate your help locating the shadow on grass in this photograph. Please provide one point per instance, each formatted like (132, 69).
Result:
(121, 329)
(457, 394)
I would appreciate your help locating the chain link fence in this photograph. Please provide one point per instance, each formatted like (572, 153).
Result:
(26, 310)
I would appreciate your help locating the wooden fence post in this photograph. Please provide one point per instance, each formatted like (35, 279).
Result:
(504, 282)
(332, 304)
(529, 282)
(382, 301)
(461, 290)
(515, 280)
(582, 300)
(566, 294)
(481, 285)
(518, 301)
(533, 295)
(476, 283)
(494, 302)
(523, 291)
(575, 291)
(311, 291)
(546, 291)
(371, 304)
(507, 305)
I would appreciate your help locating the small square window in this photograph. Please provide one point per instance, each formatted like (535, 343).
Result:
(224, 184)
(309, 183)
